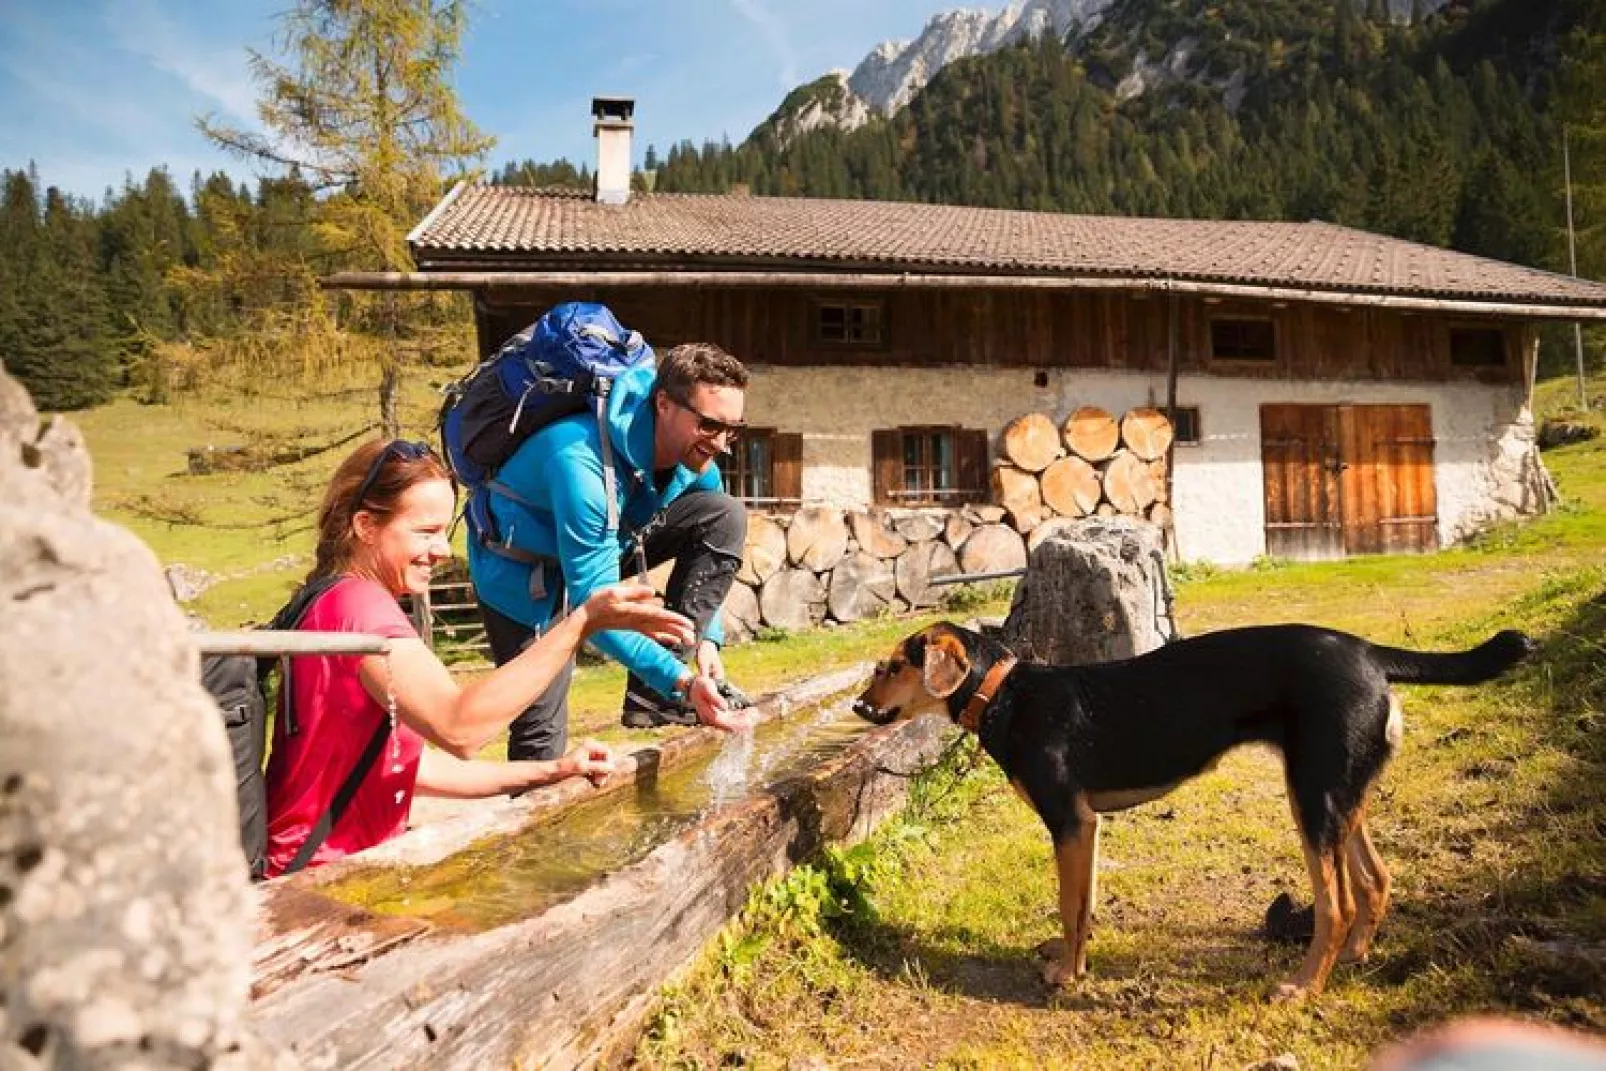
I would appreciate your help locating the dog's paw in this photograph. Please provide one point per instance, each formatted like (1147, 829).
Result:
(1059, 973)
(1289, 993)
(1354, 954)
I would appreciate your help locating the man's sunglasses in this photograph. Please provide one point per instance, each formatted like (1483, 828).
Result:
(707, 426)
(401, 449)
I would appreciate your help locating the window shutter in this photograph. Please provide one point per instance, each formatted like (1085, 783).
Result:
(971, 447)
(786, 466)
(886, 455)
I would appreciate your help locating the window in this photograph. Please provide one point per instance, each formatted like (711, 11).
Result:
(850, 323)
(1477, 347)
(1185, 429)
(764, 469)
(929, 466)
(1243, 340)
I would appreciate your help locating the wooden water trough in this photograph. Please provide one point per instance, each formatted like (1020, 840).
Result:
(342, 986)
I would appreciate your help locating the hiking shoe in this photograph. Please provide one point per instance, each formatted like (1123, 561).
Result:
(647, 710)
(1287, 924)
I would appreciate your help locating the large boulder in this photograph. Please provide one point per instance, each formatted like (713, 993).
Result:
(1094, 590)
(126, 917)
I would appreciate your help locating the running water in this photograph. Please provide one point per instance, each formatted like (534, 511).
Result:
(506, 878)
(741, 764)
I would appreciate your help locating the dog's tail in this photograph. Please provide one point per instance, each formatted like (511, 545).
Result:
(1482, 663)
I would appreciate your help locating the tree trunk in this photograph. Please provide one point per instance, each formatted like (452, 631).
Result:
(389, 401)
(915, 567)
(1093, 593)
(1031, 442)
(765, 551)
(1018, 493)
(992, 549)
(1071, 487)
(743, 618)
(1146, 432)
(862, 585)
(875, 536)
(1127, 484)
(817, 538)
(1091, 434)
(792, 599)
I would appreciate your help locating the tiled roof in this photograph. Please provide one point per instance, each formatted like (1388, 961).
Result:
(509, 227)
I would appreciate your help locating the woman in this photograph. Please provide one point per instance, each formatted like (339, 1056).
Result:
(381, 529)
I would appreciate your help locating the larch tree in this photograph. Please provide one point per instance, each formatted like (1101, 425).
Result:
(363, 110)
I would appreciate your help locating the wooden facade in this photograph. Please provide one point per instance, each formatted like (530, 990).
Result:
(1041, 329)
(1338, 478)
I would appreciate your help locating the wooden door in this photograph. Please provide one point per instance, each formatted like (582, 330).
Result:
(1299, 456)
(1348, 479)
(1390, 503)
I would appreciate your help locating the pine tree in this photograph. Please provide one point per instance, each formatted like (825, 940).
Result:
(364, 110)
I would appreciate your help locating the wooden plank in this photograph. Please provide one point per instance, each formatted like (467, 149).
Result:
(1302, 504)
(571, 986)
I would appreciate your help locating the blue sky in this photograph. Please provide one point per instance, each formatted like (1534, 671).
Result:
(91, 90)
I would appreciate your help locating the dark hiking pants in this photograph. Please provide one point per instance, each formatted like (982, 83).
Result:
(702, 532)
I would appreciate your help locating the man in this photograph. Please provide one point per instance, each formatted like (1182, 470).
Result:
(559, 540)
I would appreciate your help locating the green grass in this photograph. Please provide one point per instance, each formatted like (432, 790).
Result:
(252, 529)
(915, 950)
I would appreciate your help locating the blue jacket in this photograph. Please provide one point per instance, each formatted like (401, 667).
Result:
(563, 517)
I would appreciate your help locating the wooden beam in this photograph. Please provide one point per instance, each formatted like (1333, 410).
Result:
(480, 280)
(265, 643)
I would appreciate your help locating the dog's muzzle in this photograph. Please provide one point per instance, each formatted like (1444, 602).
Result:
(872, 713)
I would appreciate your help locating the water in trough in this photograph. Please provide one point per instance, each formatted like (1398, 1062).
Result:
(512, 876)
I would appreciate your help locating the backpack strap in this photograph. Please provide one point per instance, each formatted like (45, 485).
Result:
(287, 619)
(348, 788)
(503, 548)
(609, 479)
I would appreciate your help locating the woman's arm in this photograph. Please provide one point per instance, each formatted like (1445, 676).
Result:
(461, 720)
(447, 776)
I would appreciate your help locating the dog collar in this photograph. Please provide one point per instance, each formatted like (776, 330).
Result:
(970, 717)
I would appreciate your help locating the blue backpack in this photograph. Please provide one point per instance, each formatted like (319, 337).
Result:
(563, 363)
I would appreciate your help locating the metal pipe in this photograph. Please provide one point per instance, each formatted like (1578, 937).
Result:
(483, 280)
(266, 643)
(974, 578)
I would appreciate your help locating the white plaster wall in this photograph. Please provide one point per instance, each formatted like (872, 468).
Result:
(1218, 488)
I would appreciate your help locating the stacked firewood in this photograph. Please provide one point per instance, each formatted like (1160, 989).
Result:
(1090, 465)
(822, 565)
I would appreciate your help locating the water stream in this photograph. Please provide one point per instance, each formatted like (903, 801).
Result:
(513, 876)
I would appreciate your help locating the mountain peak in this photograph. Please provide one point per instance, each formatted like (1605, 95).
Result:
(895, 71)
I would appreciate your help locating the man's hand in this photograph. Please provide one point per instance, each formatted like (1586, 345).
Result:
(712, 708)
(636, 607)
(709, 664)
(592, 760)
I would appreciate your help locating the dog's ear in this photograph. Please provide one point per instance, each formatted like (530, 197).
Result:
(946, 664)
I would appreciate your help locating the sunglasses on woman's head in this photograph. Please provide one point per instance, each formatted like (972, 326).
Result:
(403, 449)
(707, 426)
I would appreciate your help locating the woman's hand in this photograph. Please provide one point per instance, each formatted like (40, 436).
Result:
(637, 608)
(590, 759)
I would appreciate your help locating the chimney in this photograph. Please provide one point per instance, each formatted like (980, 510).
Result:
(612, 125)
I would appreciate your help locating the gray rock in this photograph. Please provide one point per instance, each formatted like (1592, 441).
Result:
(1093, 592)
(126, 919)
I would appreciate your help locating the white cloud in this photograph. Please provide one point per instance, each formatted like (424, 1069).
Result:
(219, 71)
(775, 33)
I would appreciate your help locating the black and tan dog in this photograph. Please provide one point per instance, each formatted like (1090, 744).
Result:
(1078, 741)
